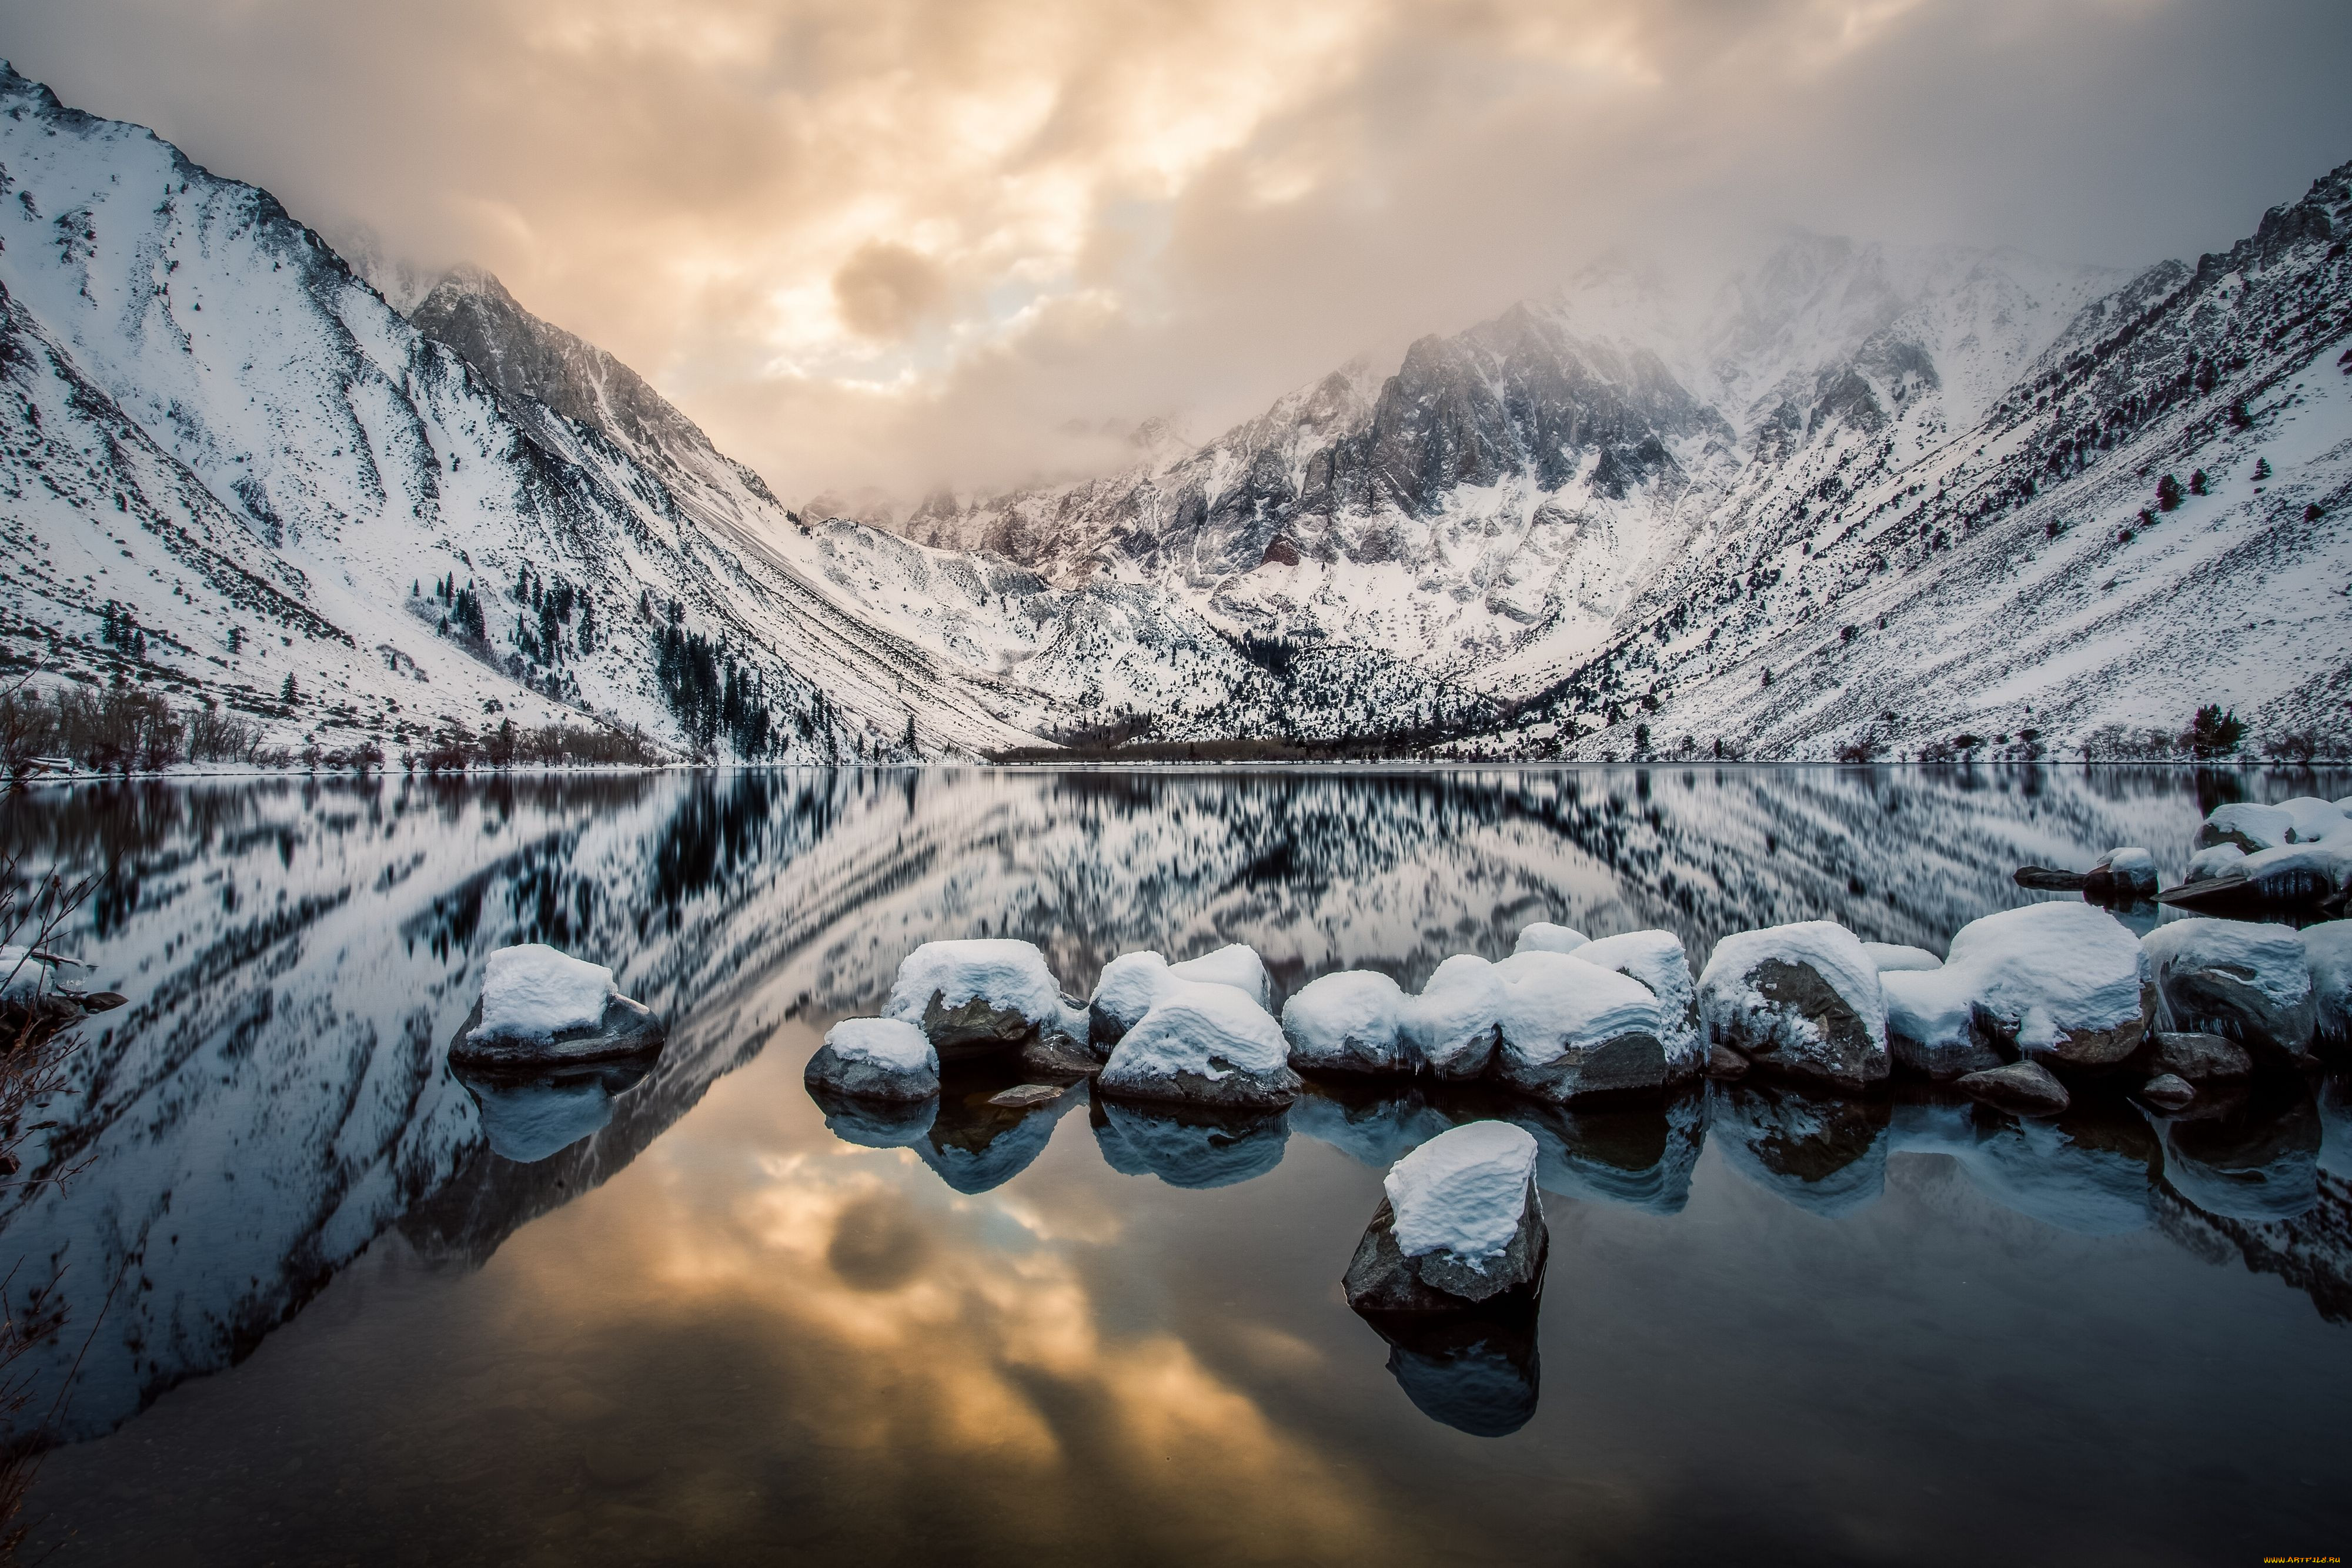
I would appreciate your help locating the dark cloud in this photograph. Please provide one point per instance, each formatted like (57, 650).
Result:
(904, 241)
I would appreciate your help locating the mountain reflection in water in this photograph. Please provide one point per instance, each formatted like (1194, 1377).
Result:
(698, 1314)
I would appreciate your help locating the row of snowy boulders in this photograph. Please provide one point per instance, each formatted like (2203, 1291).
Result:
(1562, 1018)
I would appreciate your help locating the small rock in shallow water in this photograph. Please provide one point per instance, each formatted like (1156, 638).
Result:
(1722, 1061)
(875, 1059)
(2168, 1092)
(2197, 1057)
(1028, 1095)
(2047, 879)
(540, 1008)
(2022, 1086)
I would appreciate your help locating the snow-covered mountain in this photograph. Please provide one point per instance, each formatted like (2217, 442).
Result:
(1905, 483)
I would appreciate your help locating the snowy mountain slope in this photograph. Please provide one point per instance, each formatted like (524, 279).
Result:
(2025, 574)
(205, 385)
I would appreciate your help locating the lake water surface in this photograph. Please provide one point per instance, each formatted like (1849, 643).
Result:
(330, 1304)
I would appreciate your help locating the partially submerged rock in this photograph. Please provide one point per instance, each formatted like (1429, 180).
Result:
(1723, 1062)
(2049, 879)
(2250, 827)
(2249, 982)
(979, 995)
(540, 1007)
(2123, 875)
(1571, 1030)
(875, 1059)
(1451, 1027)
(2199, 1057)
(1800, 999)
(1656, 959)
(2168, 1092)
(1204, 1045)
(2298, 852)
(1132, 982)
(1461, 1225)
(2063, 983)
(1346, 1023)
(2026, 1087)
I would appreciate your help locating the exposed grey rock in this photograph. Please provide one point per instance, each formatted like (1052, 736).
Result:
(1804, 1001)
(1722, 1061)
(2199, 1057)
(1623, 1063)
(1382, 1279)
(862, 1079)
(2168, 1092)
(975, 1027)
(2026, 1087)
(2044, 879)
(628, 1030)
(1053, 1054)
(2249, 982)
(1027, 1094)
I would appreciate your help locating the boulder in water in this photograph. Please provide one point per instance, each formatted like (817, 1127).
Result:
(1131, 983)
(540, 1007)
(2168, 1092)
(875, 1059)
(1451, 1027)
(2199, 1058)
(2063, 983)
(2123, 875)
(2248, 982)
(1203, 1045)
(1801, 1000)
(1657, 961)
(979, 996)
(1460, 1226)
(1346, 1023)
(1570, 1031)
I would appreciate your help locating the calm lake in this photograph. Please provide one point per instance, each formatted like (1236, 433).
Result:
(330, 1304)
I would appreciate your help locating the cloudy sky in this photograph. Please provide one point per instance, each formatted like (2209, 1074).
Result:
(906, 241)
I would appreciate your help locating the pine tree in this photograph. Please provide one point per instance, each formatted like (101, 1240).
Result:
(2197, 482)
(2261, 469)
(287, 695)
(2168, 494)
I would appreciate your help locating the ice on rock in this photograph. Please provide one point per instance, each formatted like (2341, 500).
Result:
(875, 1059)
(1233, 965)
(1450, 1027)
(1569, 1030)
(533, 992)
(1657, 961)
(23, 978)
(1894, 958)
(1346, 1023)
(2327, 954)
(1464, 1192)
(1207, 1044)
(2243, 981)
(1545, 937)
(1803, 999)
(977, 995)
(1460, 1227)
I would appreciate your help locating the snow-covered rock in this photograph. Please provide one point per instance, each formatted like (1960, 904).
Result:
(1450, 1028)
(1191, 1147)
(1123, 994)
(1893, 957)
(1571, 1030)
(875, 1059)
(1131, 983)
(2022, 1086)
(1657, 959)
(1461, 1225)
(1233, 965)
(2214, 862)
(2250, 827)
(2249, 982)
(2063, 983)
(24, 979)
(979, 995)
(1545, 938)
(2313, 818)
(1346, 1023)
(2328, 953)
(1203, 1044)
(2121, 875)
(539, 1006)
(1803, 999)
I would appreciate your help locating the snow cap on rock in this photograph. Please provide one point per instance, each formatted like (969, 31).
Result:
(1894, 958)
(1450, 1027)
(1009, 976)
(2244, 981)
(893, 1045)
(1553, 1001)
(1233, 965)
(1127, 985)
(1346, 1022)
(1462, 1192)
(1656, 958)
(2328, 953)
(1755, 996)
(1545, 937)
(2050, 969)
(534, 992)
(1208, 1029)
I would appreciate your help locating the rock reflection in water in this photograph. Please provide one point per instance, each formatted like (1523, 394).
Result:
(976, 1145)
(1191, 1147)
(2252, 1155)
(1636, 1154)
(1477, 1372)
(530, 1117)
(1825, 1155)
(2089, 1172)
(874, 1123)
